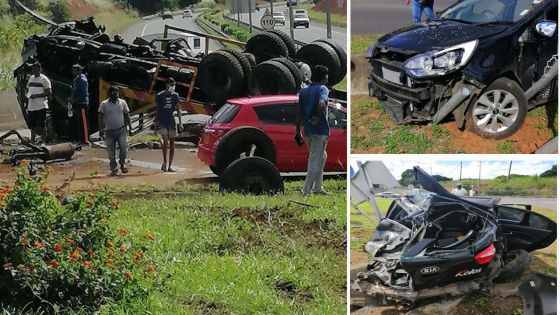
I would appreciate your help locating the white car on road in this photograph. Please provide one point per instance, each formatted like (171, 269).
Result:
(279, 17)
(187, 13)
(301, 19)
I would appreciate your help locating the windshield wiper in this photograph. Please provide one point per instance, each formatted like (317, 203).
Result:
(453, 20)
(496, 23)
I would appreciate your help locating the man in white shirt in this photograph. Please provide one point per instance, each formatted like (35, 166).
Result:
(38, 92)
(113, 119)
(459, 190)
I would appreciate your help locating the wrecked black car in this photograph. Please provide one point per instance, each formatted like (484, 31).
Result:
(434, 243)
(487, 62)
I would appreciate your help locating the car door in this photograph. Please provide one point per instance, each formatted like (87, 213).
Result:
(336, 147)
(525, 229)
(278, 122)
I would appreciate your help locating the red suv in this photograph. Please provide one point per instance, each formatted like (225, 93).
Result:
(265, 126)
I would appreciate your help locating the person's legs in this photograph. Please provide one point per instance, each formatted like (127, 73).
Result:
(172, 135)
(428, 9)
(164, 140)
(313, 163)
(123, 146)
(111, 141)
(322, 147)
(42, 125)
(416, 11)
(85, 130)
(32, 125)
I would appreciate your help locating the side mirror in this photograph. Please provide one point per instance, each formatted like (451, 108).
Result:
(546, 28)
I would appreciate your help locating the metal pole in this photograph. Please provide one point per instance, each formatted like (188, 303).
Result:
(509, 172)
(329, 32)
(461, 172)
(250, 17)
(271, 7)
(291, 19)
(237, 4)
(479, 171)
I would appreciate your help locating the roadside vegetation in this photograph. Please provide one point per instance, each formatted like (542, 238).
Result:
(193, 252)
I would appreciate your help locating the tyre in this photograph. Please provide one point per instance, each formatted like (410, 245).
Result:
(241, 140)
(252, 175)
(318, 53)
(516, 261)
(288, 41)
(499, 111)
(251, 58)
(220, 76)
(271, 78)
(339, 52)
(245, 64)
(266, 46)
(294, 70)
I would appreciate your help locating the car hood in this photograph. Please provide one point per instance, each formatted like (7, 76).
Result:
(428, 183)
(436, 35)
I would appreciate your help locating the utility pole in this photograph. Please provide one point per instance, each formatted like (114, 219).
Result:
(250, 17)
(329, 32)
(291, 19)
(238, 6)
(509, 172)
(479, 171)
(461, 172)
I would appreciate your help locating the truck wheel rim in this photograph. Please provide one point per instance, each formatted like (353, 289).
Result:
(495, 111)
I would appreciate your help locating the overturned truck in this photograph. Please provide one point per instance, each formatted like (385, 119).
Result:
(434, 244)
(269, 63)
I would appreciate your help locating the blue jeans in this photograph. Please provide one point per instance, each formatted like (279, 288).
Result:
(112, 138)
(427, 7)
(317, 145)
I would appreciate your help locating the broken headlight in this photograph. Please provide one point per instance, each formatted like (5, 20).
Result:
(440, 62)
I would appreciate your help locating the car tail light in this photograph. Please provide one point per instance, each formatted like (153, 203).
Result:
(486, 255)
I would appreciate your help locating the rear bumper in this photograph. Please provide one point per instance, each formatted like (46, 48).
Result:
(205, 154)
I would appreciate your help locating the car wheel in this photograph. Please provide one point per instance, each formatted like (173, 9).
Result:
(243, 140)
(220, 75)
(271, 78)
(252, 175)
(499, 111)
(266, 46)
(515, 262)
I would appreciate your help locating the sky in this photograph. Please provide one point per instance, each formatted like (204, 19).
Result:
(490, 169)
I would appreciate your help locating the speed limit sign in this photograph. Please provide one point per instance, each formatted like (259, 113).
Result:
(267, 22)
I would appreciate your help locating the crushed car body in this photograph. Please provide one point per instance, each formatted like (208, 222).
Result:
(486, 63)
(434, 243)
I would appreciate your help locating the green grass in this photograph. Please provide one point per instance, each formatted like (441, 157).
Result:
(506, 147)
(532, 186)
(359, 43)
(342, 85)
(321, 17)
(233, 254)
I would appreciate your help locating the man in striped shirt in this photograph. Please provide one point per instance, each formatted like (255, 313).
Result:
(38, 92)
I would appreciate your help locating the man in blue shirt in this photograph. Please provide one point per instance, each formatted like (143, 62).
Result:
(167, 102)
(79, 99)
(419, 6)
(313, 114)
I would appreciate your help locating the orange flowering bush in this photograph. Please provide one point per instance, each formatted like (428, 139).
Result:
(59, 255)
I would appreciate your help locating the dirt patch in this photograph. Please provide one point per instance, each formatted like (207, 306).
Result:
(373, 132)
(80, 9)
(476, 304)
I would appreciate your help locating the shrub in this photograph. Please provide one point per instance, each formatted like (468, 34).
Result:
(59, 11)
(57, 256)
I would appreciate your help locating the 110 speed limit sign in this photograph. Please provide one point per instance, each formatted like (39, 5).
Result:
(267, 22)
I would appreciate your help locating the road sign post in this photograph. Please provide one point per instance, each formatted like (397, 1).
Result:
(250, 17)
(291, 19)
(329, 32)
(267, 21)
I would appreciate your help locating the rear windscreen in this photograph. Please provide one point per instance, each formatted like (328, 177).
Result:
(225, 114)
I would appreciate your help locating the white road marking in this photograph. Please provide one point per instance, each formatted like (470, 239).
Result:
(146, 26)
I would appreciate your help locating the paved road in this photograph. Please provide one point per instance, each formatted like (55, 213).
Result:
(315, 30)
(547, 203)
(384, 16)
(156, 26)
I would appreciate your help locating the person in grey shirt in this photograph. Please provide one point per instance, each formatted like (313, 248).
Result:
(113, 119)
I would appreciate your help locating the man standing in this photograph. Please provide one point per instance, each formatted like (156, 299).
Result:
(38, 92)
(79, 98)
(167, 102)
(313, 112)
(459, 190)
(419, 6)
(113, 119)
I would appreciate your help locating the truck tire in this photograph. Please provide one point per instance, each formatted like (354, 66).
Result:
(339, 52)
(502, 121)
(252, 175)
(245, 64)
(294, 70)
(251, 58)
(318, 53)
(271, 78)
(240, 140)
(288, 41)
(516, 261)
(220, 76)
(266, 46)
